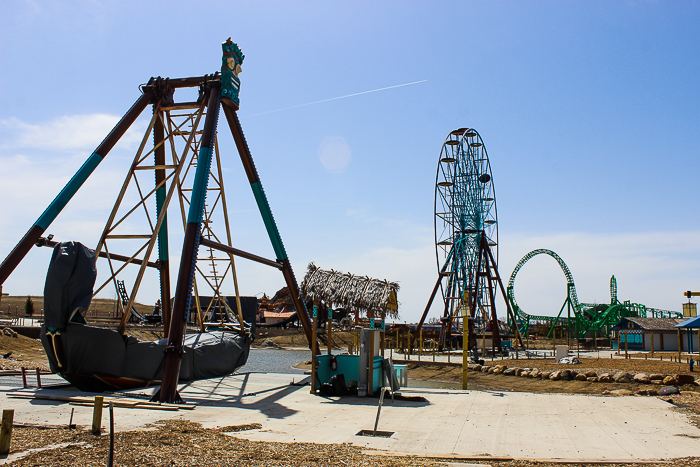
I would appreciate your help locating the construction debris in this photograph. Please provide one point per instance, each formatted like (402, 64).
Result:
(117, 401)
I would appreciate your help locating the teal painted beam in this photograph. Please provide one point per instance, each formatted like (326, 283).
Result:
(163, 231)
(199, 190)
(68, 191)
(269, 221)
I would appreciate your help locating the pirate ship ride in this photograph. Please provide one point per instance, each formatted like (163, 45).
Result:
(180, 151)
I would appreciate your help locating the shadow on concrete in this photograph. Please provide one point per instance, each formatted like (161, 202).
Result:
(229, 392)
(372, 401)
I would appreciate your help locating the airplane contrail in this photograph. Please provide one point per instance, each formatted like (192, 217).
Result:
(336, 98)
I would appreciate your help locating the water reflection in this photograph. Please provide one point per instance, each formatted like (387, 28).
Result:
(274, 361)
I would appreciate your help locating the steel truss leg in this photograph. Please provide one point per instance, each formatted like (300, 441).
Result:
(190, 247)
(163, 251)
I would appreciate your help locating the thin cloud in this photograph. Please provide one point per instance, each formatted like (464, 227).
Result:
(336, 98)
(66, 133)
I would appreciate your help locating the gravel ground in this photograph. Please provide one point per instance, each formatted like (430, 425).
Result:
(187, 444)
(687, 403)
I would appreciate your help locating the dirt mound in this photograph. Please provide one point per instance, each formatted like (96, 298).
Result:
(26, 352)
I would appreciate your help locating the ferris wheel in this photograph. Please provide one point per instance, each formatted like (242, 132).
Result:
(465, 209)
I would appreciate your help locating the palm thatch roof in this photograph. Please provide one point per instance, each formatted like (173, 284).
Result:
(345, 290)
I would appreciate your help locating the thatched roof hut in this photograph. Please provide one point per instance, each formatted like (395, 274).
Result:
(345, 290)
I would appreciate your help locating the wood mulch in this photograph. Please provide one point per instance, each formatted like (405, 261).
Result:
(187, 444)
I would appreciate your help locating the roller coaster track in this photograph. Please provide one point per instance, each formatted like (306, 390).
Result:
(587, 317)
(135, 315)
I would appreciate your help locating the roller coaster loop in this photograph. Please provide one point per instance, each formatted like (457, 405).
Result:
(587, 317)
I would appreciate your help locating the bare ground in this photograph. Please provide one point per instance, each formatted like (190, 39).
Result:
(25, 352)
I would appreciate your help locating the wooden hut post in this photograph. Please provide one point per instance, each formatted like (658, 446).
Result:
(356, 337)
(595, 340)
(627, 338)
(652, 344)
(407, 343)
(619, 341)
(420, 354)
(313, 347)
(329, 328)
(382, 337)
(680, 345)
(370, 378)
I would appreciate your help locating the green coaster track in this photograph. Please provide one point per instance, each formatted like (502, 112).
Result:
(587, 317)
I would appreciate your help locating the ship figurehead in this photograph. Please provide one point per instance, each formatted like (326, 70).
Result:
(230, 69)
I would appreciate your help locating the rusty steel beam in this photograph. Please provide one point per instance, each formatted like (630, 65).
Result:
(441, 274)
(241, 253)
(266, 213)
(103, 254)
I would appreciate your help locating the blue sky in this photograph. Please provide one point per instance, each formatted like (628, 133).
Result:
(590, 112)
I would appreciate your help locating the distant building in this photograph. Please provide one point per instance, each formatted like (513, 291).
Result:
(215, 310)
(275, 318)
(638, 333)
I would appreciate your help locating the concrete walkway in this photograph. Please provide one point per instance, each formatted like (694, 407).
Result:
(451, 422)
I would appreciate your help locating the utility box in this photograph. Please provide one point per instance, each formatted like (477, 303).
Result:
(365, 355)
(561, 351)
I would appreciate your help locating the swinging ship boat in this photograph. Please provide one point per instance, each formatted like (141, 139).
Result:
(97, 359)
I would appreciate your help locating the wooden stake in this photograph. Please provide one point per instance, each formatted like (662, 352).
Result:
(6, 430)
(97, 416)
